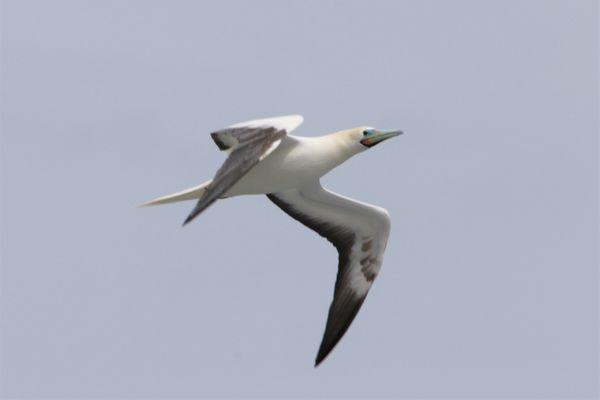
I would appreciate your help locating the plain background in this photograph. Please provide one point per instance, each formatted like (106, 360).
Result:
(490, 283)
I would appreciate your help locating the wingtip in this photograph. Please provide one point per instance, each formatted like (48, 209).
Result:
(195, 212)
(321, 356)
(318, 362)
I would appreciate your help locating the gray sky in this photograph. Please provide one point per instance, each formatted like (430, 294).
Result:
(490, 283)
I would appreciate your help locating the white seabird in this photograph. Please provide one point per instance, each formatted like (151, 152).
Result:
(263, 158)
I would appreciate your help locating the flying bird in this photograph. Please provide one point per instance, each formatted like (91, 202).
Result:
(264, 158)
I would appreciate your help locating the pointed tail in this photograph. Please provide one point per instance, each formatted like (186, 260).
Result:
(187, 194)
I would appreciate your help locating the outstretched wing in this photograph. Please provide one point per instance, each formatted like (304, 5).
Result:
(247, 143)
(359, 232)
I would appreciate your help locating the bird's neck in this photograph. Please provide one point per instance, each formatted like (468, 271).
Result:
(335, 148)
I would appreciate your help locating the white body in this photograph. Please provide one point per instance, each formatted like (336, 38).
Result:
(295, 163)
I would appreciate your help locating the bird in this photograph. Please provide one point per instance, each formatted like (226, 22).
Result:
(264, 158)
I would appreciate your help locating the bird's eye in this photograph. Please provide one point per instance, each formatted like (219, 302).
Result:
(367, 132)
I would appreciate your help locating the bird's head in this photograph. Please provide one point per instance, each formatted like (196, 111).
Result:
(365, 137)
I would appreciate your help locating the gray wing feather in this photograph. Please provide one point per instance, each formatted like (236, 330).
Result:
(249, 145)
(228, 138)
(346, 300)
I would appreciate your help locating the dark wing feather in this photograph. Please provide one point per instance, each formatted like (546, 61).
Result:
(354, 253)
(250, 145)
(345, 305)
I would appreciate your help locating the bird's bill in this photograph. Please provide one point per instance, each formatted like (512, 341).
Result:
(379, 136)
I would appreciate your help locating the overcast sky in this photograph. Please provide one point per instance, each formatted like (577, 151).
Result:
(489, 287)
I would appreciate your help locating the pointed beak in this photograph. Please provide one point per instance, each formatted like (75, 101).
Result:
(378, 137)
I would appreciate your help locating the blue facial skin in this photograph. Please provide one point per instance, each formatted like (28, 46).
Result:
(367, 138)
(371, 137)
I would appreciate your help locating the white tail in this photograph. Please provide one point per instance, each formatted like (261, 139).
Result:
(187, 194)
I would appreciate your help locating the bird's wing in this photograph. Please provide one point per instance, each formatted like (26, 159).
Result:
(359, 232)
(247, 144)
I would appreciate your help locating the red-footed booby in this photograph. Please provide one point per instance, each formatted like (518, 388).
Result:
(263, 158)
